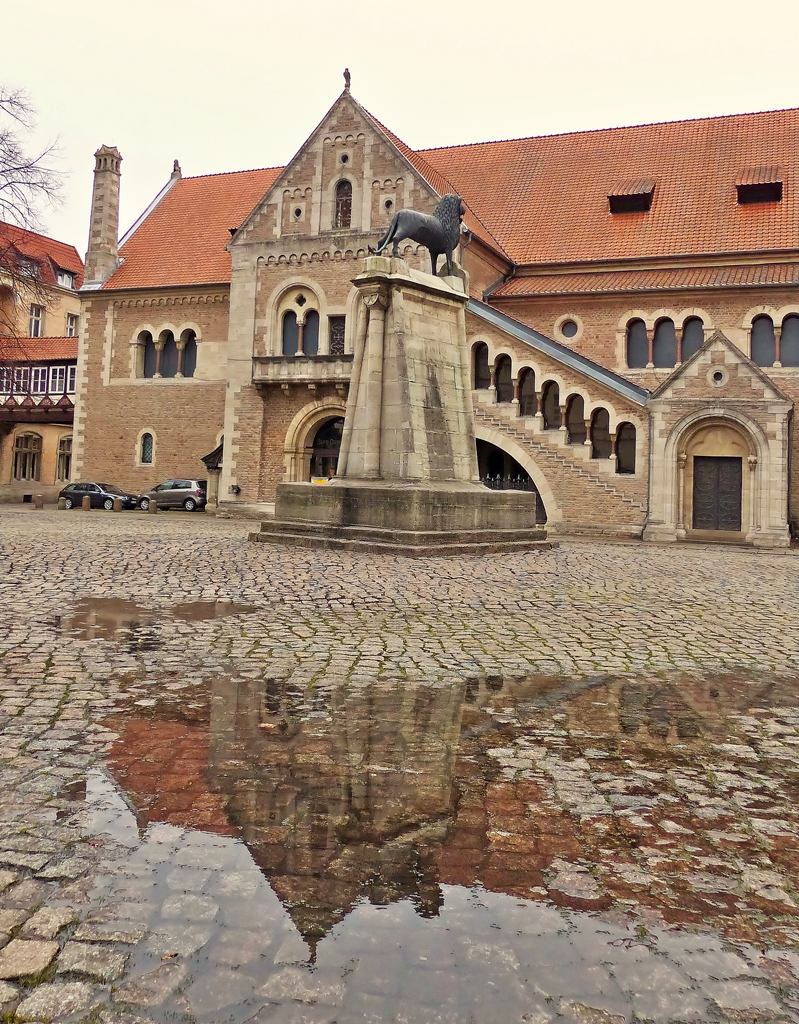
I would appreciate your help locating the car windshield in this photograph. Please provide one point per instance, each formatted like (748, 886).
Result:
(110, 489)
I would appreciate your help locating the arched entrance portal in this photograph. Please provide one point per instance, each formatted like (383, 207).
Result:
(325, 448)
(715, 456)
(501, 472)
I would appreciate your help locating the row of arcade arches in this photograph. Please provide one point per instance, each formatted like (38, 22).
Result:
(568, 415)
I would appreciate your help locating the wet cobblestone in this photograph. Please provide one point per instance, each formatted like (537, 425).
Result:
(624, 746)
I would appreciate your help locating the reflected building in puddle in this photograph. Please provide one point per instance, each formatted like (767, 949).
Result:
(345, 804)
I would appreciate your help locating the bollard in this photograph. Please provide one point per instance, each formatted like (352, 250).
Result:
(117, 504)
(38, 501)
(62, 504)
(86, 504)
(152, 507)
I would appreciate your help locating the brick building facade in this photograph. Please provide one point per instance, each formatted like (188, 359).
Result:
(634, 323)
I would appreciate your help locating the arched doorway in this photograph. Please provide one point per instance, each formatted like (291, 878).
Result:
(715, 455)
(501, 472)
(325, 448)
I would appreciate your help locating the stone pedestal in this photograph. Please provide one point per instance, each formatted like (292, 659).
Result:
(407, 478)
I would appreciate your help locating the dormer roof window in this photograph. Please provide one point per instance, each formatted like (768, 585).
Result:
(759, 185)
(633, 195)
(66, 278)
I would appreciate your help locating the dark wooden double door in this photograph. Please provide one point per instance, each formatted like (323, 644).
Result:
(717, 493)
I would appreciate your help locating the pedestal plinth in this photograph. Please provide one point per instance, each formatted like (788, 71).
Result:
(407, 479)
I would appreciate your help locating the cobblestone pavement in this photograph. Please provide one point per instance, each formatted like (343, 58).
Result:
(245, 783)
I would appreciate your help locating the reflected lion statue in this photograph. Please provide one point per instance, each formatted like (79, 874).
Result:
(439, 232)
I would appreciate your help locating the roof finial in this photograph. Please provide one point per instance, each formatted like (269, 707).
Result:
(176, 172)
(347, 79)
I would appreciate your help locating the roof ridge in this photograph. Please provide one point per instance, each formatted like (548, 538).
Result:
(35, 234)
(608, 128)
(223, 174)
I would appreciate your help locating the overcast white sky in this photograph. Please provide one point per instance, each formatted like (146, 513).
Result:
(231, 85)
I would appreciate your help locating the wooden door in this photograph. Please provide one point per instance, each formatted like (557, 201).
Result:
(717, 493)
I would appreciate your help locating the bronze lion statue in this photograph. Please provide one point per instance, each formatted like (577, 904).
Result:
(439, 232)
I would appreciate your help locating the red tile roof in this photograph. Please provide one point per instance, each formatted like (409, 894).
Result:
(47, 252)
(679, 278)
(545, 198)
(539, 200)
(38, 350)
(182, 242)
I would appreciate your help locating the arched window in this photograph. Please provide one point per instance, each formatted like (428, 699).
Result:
(326, 447)
(575, 420)
(482, 373)
(664, 345)
(310, 334)
(290, 333)
(64, 464)
(789, 341)
(528, 405)
(693, 337)
(149, 360)
(343, 204)
(502, 376)
(764, 345)
(625, 448)
(550, 405)
(601, 446)
(146, 447)
(189, 364)
(27, 456)
(169, 354)
(637, 344)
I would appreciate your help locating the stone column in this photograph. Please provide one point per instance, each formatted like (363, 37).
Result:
(752, 463)
(678, 332)
(180, 345)
(492, 387)
(682, 458)
(777, 345)
(159, 348)
(515, 399)
(587, 440)
(650, 337)
(300, 329)
(613, 457)
(538, 416)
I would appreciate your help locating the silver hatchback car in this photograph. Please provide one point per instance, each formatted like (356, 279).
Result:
(185, 494)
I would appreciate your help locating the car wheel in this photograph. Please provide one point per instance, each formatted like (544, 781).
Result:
(190, 504)
(108, 504)
(144, 504)
(68, 503)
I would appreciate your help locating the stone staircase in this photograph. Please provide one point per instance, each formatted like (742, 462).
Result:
(561, 463)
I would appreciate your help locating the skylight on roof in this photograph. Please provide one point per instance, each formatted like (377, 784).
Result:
(632, 196)
(759, 185)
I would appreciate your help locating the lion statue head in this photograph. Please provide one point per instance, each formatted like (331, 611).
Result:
(449, 214)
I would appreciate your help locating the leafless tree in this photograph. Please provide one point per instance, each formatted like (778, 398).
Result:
(29, 182)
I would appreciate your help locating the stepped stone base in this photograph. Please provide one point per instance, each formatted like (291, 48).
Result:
(407, 519)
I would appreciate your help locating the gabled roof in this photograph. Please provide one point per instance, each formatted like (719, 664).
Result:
(719, 338)
(182, 241)
(38, 350)
(545, 198)
(50, 254)
(558, 352)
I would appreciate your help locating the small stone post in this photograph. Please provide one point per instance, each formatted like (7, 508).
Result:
(117, 504)
(86, 504)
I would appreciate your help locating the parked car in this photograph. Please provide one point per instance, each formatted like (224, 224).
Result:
(187, 494)
(101, 495)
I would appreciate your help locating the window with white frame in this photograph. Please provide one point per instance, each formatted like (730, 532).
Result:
(66, 279)
(58, 380)
(22, 376)
(5, 380)
(72, 372)
(72, 325)
(36, 322)
(39, 380)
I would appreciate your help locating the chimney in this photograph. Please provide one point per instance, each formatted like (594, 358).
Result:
(101, 256)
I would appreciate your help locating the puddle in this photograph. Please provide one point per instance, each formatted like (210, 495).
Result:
(520, 850)
(107, 617)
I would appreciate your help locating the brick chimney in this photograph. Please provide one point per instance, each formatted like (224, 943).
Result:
(101, 256)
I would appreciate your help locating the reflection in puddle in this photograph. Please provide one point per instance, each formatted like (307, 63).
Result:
(518, 851)
(105, 617)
